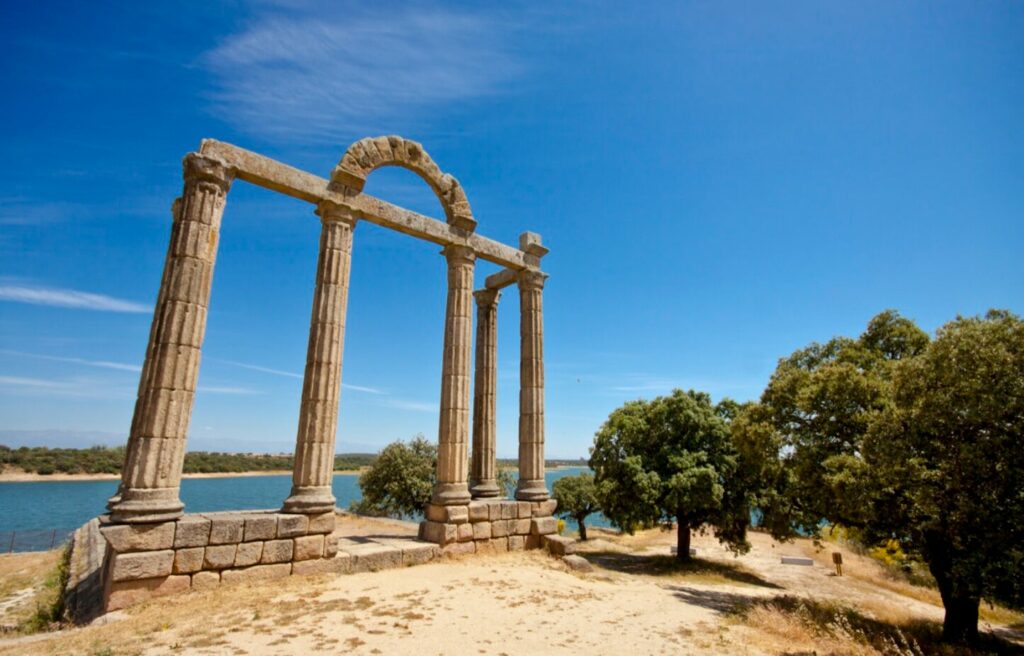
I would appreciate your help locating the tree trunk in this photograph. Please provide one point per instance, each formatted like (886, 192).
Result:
(960, 625)
(583, 527)
(683, 541)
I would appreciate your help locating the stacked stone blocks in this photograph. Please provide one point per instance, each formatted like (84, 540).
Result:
(489, 525)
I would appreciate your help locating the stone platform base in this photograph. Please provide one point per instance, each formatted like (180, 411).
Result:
(489, 525)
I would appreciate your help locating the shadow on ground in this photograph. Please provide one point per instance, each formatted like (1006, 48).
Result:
(658, 565)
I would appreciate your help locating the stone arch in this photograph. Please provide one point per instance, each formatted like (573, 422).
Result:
(371, 153)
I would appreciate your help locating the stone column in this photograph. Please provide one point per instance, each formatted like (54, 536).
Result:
(151, 475)
(484, 470)
(531, 485)
(452, 488)
(313, 471)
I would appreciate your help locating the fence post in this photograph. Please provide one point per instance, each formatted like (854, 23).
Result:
(53, 538)
(11, 548)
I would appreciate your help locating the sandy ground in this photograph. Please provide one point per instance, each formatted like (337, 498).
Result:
(635, 602)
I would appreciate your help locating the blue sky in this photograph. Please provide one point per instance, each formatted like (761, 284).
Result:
(719, 184)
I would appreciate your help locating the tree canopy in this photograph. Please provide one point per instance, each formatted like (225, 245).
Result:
(401, 481)
(671, 459)
(577, 498)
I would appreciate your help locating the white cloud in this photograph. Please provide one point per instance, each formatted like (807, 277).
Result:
(214, 389)
(292, 374)
(414, 406)
(70, 298)
(321, 77)
(103, 364)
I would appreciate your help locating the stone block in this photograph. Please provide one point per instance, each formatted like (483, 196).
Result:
(142, 565)
(338, 565)
(516, 542)
(494, 511)
(219, 556)
(123, 594)
(260, 527)
(522, 526)
(322, 523)
(438, 533)
(375, 557)
(495, 546)
(226, 530)
(509, 509)
(205, 580)
(578, 563)
(188, 560)
(464, 532)
(124, 538)
(256, 573)
(524, 509)
(559, 546)
(478, 511)
(420, 554)
(289, 526)
(544, 508)
(543, 525)
(459, 549)
(330, 546)
(309, 547)
(532, 542)
(248, 553)
(481, 530)
(191, 531)
(499, 529)
(277, 551)
(447, 514)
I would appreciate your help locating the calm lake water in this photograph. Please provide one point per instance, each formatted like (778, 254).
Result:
(35, 509)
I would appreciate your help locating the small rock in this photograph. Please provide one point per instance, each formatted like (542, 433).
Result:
(578, 563)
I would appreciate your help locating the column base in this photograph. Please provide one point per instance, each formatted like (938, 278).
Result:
(146, 506)
(486, 489)
(450, 494)
(309, 501)
(533, 490)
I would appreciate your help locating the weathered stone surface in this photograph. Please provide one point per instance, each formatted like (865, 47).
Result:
(123, 538)
(478, 511)
(495, 546)
(544, 508)
(533, 541)
(188, 560)
(559, 546)
(522, 526)
(192, 531)
(543, 525)
(308, 547)
(226, 530)
(248, 553)
(330, 546)
(292, 525)
(339, 565)
(499, 529)
(322, 523)
(438, 533)
(374, 557)
(205, 580)
(465, 532)
(256, 573)
(420, 554)
(509, 509)
(142, 565)
(456, 514)
(524, 509)
(277, 551)
(485, 383)
(260, 527)
(128, 593)
(578, 563)
(481, 530)
(516, 542)
(459, 549)
(494, 511)
(219, 556)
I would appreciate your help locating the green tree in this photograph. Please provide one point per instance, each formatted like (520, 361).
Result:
(577, 498)
(400, 481)
(670, 459)
(507, 479)
(910, 440)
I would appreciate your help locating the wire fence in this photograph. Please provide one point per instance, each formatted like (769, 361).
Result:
(34, 540)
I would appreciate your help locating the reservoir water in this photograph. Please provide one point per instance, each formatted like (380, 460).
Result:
(32, 515)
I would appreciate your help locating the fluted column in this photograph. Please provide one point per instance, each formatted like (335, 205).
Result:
(485, 383)
(531, 485)
(313, 472)
(151, 475)
(453, 430)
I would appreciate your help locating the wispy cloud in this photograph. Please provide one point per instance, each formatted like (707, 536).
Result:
(292, 374)
(215, 389)
(103, 364)
(414, 406)
(324, 76)
(70, 298)
(80, 388)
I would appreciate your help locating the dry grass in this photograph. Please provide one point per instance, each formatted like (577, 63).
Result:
(29, 587)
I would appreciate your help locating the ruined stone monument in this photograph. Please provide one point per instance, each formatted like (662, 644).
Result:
(150, 546)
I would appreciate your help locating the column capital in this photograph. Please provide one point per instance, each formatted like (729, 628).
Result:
(531, 279)
(457, 254)
(329, 211)
(487, 297)
(203, 168)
